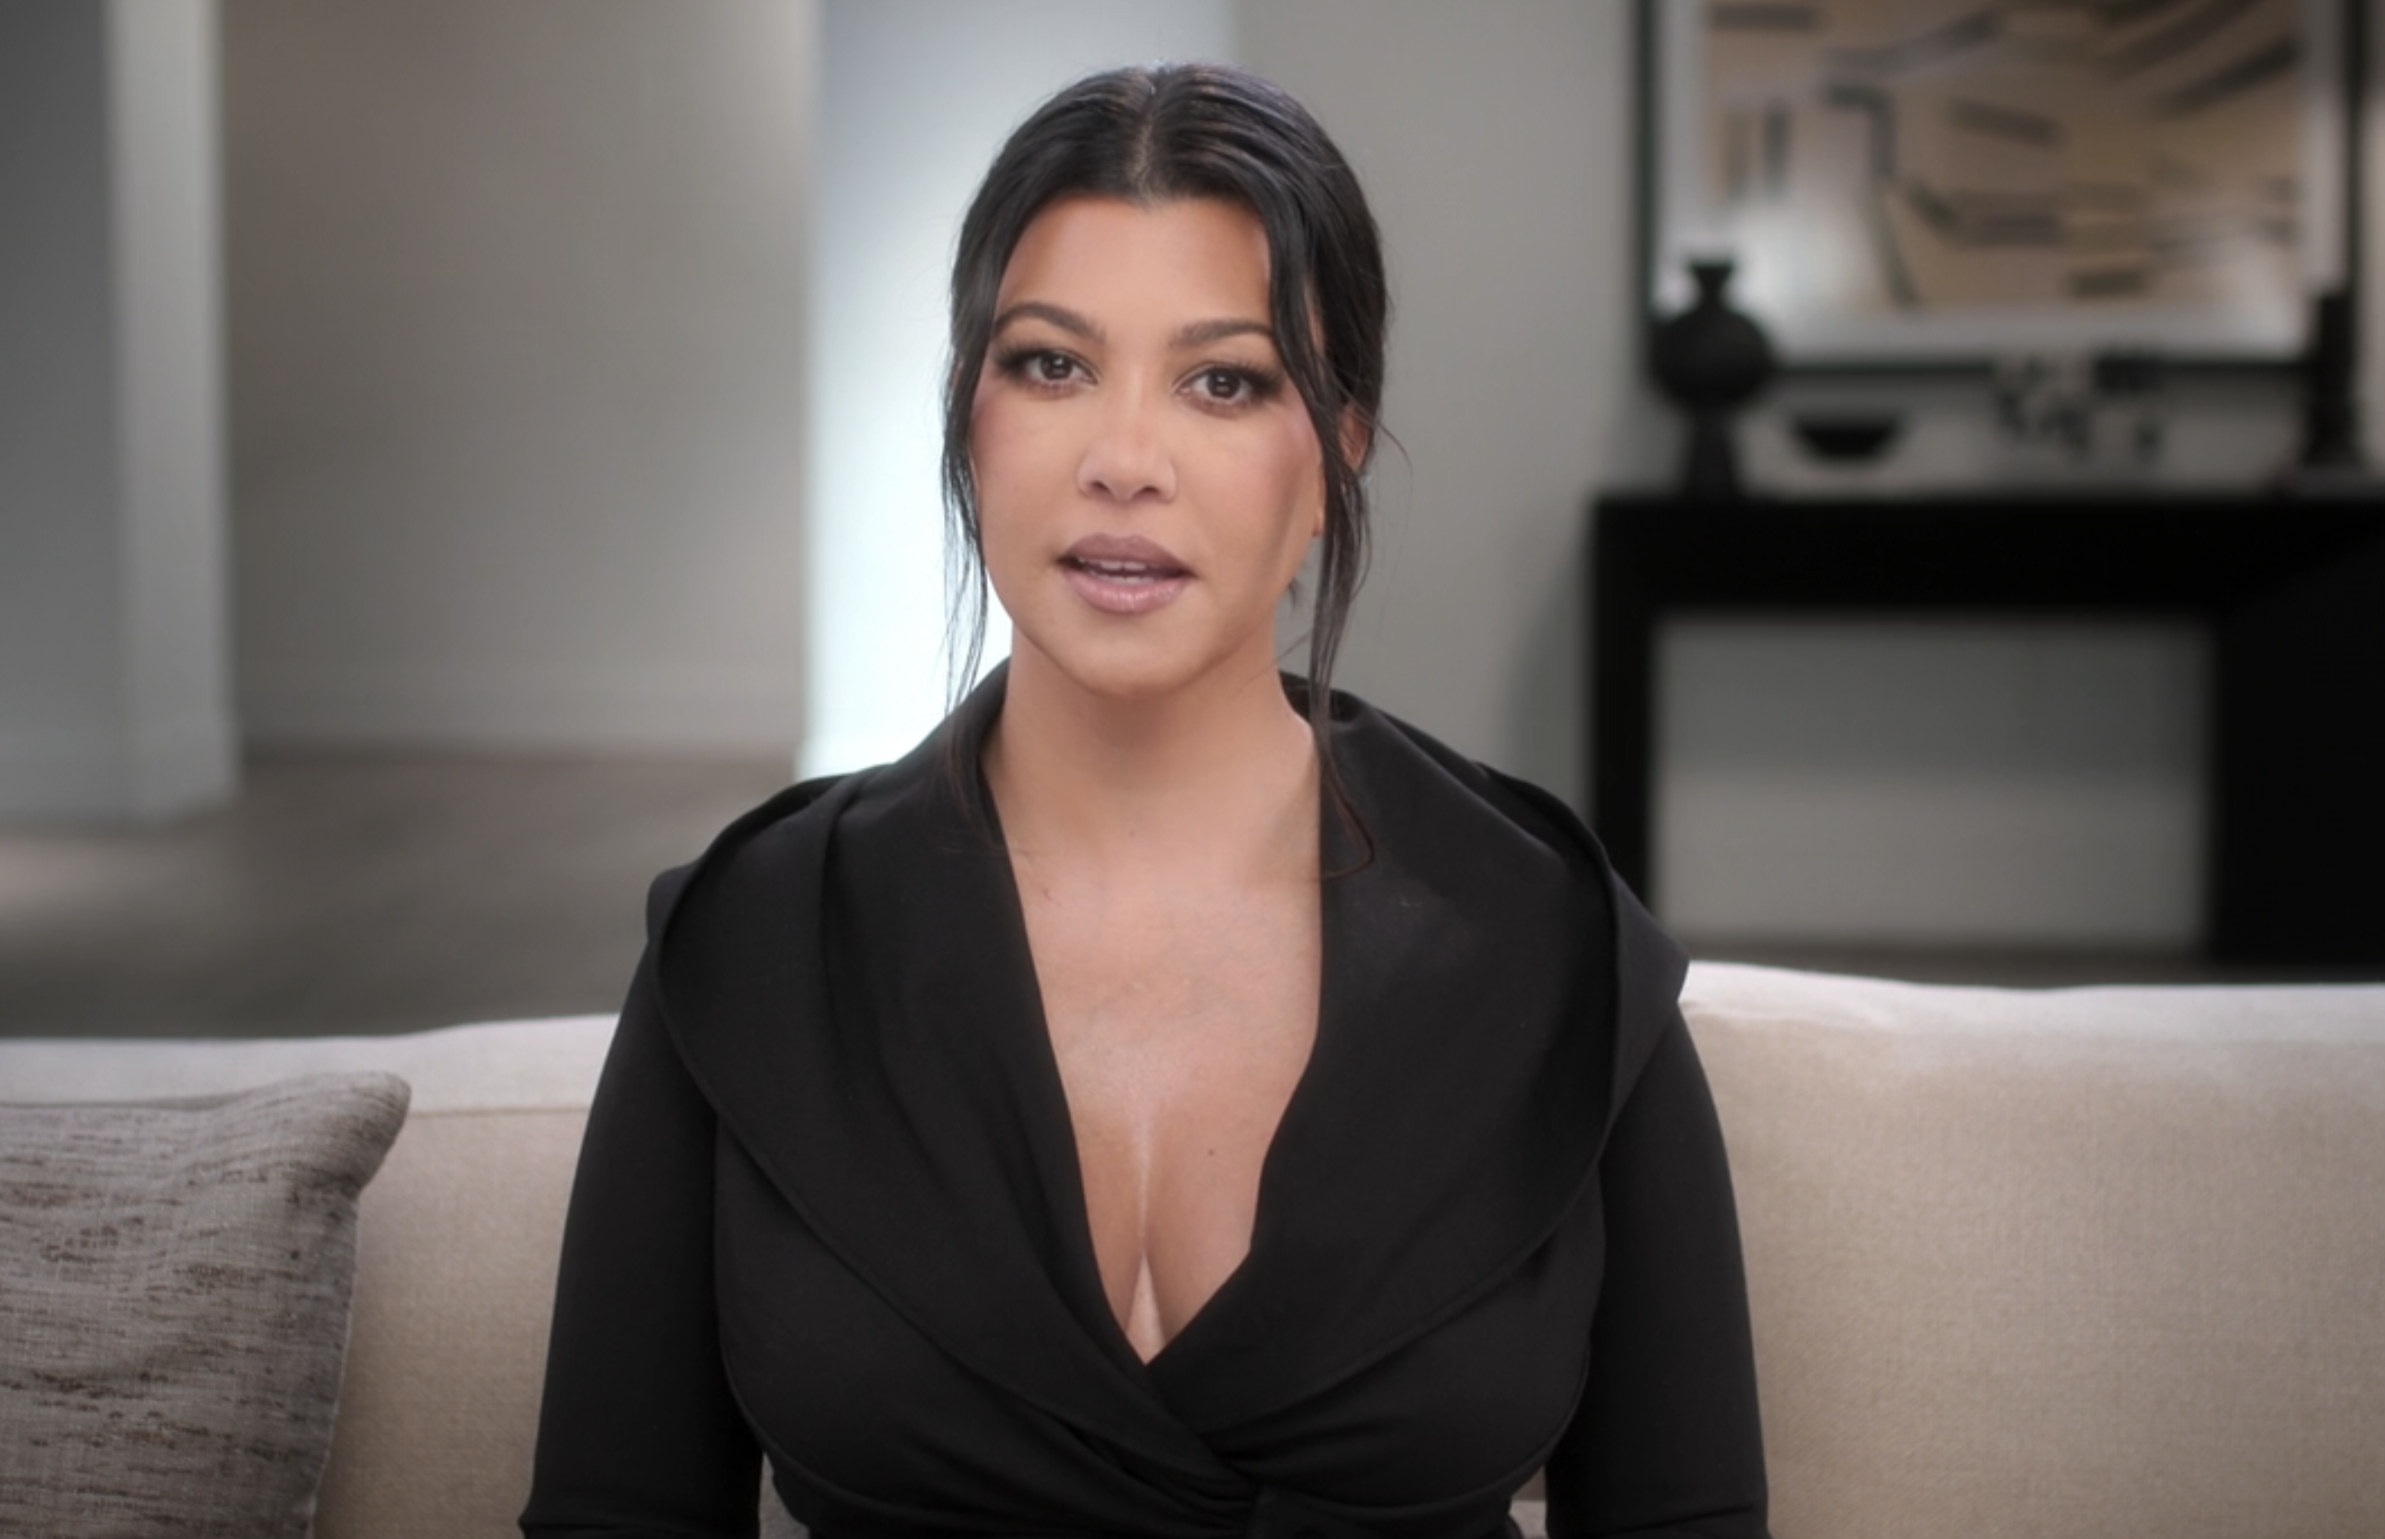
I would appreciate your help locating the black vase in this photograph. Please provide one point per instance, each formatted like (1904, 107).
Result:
(1710, 360)
(2330, 403)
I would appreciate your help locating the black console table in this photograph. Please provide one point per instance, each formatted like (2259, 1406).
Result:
(2293, 594)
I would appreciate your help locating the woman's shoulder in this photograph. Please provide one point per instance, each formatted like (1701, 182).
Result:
(1417, 773)
(780, 850)
(1497, 842)
(766, 837)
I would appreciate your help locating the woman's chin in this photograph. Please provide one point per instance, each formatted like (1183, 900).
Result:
(1130, 674)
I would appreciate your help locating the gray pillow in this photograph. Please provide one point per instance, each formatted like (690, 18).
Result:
(174, 1286)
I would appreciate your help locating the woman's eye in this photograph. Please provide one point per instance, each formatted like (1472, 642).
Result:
(1039, 366)
(1225, 386)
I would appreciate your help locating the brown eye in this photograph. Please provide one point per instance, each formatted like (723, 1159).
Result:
(1041, 367)
(1225, 384)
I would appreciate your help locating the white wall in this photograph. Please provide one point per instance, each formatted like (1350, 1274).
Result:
(916, 97)
(113, 689)
(169, 347)
(59, 652)
(516, 308)
(407, 463)
(1497, 143)
(2021, 784)
(1916, 782)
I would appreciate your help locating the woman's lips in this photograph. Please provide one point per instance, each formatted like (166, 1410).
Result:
(1124, 574)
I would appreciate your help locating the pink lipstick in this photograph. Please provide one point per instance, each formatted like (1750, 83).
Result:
(1124, 574)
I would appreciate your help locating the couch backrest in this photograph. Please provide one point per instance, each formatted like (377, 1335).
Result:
(457, 1243)
(2069, 1262)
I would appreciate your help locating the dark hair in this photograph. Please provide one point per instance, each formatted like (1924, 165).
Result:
(1193, 131)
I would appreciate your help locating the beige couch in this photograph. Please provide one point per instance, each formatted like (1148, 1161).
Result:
(2075, 1262)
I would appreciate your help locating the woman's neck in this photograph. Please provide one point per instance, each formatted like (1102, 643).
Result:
(1217, 776)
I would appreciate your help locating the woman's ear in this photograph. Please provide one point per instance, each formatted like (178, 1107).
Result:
(1358, 439)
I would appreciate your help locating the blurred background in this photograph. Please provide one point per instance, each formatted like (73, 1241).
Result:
(454, 456)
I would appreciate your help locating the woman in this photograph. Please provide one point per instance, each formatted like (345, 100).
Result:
(1173, 1101)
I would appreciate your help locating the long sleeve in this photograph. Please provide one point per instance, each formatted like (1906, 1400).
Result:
(1666, 1439)
(639, 1434)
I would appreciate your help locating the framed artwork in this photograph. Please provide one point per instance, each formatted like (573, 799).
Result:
(1917, 183)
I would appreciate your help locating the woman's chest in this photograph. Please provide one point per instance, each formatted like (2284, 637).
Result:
(1180, 1035)
(871, 1407)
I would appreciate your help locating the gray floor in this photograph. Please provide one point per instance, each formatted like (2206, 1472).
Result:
(356, 895)
(363, 895)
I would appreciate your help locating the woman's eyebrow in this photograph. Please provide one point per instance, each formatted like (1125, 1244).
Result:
(1200, 333)
(1035, 309)
(1192, 334)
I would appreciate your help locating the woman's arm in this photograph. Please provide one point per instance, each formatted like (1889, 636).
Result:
(1666, 1439)
(639, 1434)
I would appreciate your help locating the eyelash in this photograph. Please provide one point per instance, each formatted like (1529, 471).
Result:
(1257, 385)
(1020, 363)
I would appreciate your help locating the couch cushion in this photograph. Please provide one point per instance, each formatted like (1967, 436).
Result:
(2085, 1261)
(174, 1295)
(456, 1250)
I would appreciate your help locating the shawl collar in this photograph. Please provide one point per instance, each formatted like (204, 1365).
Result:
(846, 975)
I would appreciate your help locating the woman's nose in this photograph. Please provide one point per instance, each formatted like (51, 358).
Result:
(1128, 459)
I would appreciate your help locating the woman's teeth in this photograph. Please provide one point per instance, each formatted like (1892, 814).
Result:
(1123, 571)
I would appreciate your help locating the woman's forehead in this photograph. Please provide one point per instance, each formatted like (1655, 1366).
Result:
(1200, 254)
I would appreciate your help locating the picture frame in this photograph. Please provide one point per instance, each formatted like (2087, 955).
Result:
(1926, 187)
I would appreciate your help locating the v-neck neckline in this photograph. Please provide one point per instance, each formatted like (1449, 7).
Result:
(1084, 1283)
(902, 1096)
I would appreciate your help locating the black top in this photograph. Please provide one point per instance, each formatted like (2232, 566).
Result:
(829, 1208)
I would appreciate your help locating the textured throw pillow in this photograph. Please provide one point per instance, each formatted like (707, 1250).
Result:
(174, 1286)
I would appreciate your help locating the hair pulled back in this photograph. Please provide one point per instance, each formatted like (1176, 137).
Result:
(1151, 136)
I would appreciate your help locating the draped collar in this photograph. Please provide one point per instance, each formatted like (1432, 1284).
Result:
(846, 975)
